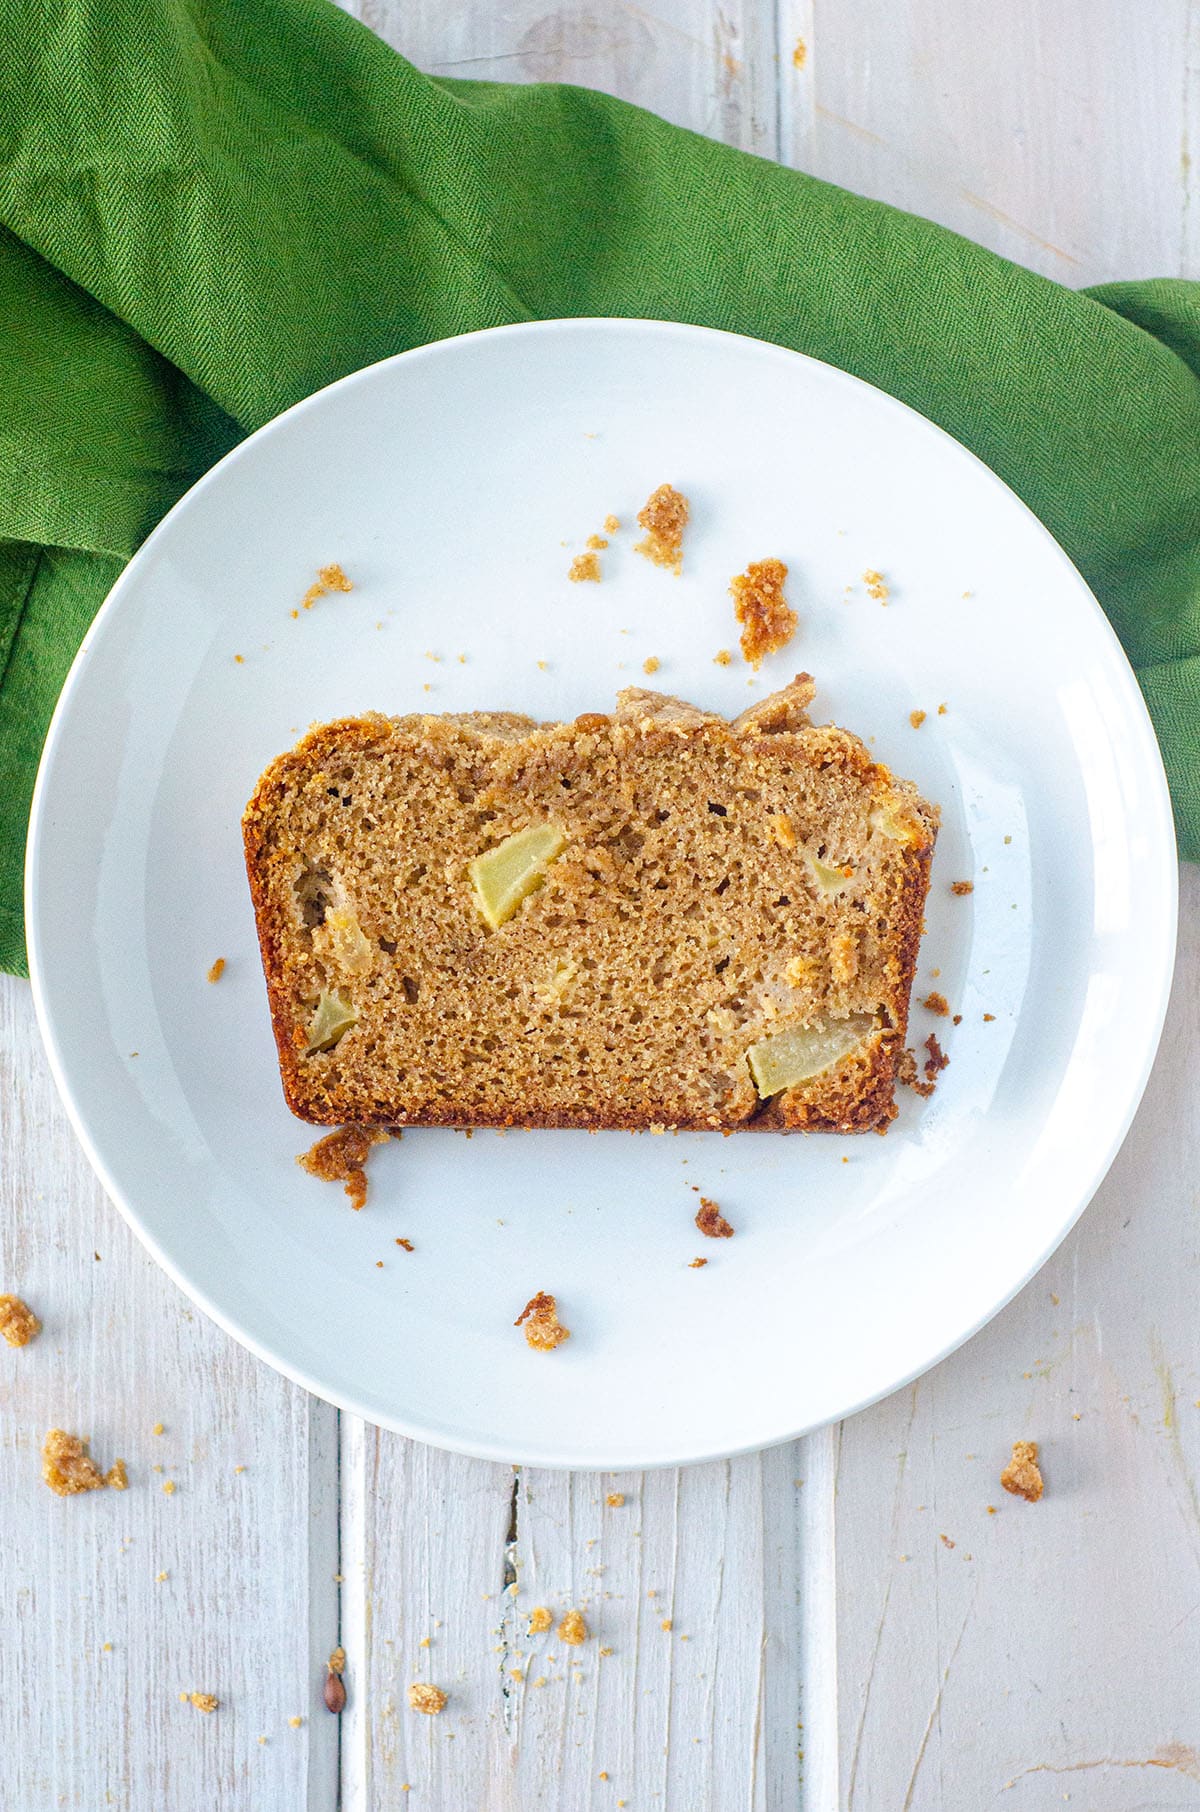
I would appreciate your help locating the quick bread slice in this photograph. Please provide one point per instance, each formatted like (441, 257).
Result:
(654, 919)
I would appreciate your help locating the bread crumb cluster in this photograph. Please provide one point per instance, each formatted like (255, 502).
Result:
(423, 1696)
(329, 578)
(1022, 1476)
(711, 1221)
(664, 516)
(340, 1157)
(543, 1330)
(68, 1468)
(767, 619)
(18, 1323)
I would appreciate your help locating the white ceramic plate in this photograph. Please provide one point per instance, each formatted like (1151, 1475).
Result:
(454, 484)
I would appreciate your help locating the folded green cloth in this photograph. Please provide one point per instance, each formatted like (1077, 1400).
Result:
(208, 208)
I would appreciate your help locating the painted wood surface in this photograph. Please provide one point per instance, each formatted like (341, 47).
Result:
(850, 1627)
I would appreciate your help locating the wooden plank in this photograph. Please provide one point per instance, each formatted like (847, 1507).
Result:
(703, 1713)
(1055, 137)
(1052, 1648)
(98, 1646)
(704, 65)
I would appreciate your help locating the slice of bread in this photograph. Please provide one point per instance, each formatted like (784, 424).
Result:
(692, 923)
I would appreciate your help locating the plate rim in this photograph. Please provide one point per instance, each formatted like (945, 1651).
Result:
(1164, 853)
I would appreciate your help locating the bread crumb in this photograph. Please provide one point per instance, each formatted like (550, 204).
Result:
(541, 1680)
(615, 1499)
(1022, 1476)
(596, 541)
(543, 1330)
(942, 710)
(407, 1244)
(18, 1323)
(584, 566)
(937, 1058)
(917, 718)
(573, 1630)
(611, 524)
(937, 1003)
(169, 1488)
(722, 657)
(117, 1477)
(908, 1074)
(518, 1673)
(159, 1577)
(962, 887)
(424, 1697)
(799, 54)
(711, 1221)
(664, 516)
(67, 1466)
(991, 1509)
(337, 1661)
(668, 1623)
(295, 1723)
(203, 1701)
(217, 970)
(240, 659)
(651, 664)
(768, 621)
(783, 831)
(946, 1542)
(696, 1264)
(333, 578)
(876, 586)
(340, 1157)
(988, 1018)
(539, 1619)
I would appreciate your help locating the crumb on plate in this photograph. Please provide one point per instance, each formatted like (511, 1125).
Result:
(543, 1330)
(340, 1157)
(768, 620)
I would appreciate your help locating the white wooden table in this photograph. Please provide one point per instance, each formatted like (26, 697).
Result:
(851, 1627)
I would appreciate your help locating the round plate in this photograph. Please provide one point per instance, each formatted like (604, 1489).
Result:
(454, 484)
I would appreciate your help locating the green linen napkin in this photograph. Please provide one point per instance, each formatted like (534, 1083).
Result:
(208, 208)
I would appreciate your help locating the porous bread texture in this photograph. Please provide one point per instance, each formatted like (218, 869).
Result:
(684, 920)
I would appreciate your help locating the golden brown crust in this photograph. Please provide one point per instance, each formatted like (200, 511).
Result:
(649, 741)
(768, 620)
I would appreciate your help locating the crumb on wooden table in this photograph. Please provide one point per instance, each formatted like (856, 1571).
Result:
(615, 1499)
(799, 54)
(422, 1696)
(217, 970)
(543, 1330)
(711, 1221)
(584, 567)
(540, 1618)
(116, 1477)
(937, 1003)
(962, 887)
(337, 1661)
(340, 1157)
(572, 1629)
(664, 516)
(67, 1467)
(1022, 1476)
(203, 1701)
(169, 1488)
(768, 620)
(668, 1623)
(917, 718)
(18, 1323)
